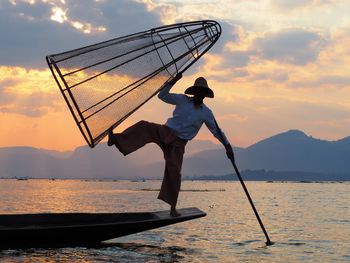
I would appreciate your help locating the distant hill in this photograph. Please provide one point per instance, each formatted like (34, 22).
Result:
(83, 162)
(276, 176)
(295, 151)
(289, 152)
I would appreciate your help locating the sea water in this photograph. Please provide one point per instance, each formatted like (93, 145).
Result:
(309, 222)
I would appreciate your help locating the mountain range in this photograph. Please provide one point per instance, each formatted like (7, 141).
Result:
(285, 153)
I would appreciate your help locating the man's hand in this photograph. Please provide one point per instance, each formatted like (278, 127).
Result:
(175, 79)
(229, 152)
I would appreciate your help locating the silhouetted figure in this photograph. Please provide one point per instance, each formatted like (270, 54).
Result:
(189, 115)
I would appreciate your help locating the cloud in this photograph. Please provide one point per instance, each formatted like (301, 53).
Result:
(229, 57)
(27, 111)
(119, 17)
(32, 31)
(293, 5)
(6, 82)
(228, 75)
(236, 59)
(290, 46)
(247, 120)
(27, 92)
(323, 81)
(5, 95)
(290, 4)
(230, 33)
(35, 104)
(274, 75)
(28, 33)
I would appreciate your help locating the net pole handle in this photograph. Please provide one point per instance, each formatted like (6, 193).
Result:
(268, 241)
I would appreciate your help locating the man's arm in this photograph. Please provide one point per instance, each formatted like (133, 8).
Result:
(220, 135)
(165, 94)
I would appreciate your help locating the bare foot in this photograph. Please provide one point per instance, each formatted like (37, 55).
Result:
(174, 213)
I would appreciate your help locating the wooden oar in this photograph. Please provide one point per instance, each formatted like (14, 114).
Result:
(268, 241)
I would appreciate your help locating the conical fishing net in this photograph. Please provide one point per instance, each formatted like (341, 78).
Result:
(105, 83)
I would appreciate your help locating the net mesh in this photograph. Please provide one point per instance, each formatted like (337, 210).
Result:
(104, 83)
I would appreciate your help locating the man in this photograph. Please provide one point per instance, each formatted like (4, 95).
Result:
(189, 115)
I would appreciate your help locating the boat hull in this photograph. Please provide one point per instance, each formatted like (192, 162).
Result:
(82, 228)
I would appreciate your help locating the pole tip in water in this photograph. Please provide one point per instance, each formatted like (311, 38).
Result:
(269, 243)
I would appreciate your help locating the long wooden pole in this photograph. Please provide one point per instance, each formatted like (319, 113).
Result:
(268, 241)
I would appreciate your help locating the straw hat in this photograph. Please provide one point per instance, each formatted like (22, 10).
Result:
(200, 84)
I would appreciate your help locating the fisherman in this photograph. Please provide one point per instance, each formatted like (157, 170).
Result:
(189, 115)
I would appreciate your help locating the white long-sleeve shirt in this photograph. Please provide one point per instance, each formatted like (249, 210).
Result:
(187, 119)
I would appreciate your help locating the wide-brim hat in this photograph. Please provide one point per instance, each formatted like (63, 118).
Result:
(200, 84)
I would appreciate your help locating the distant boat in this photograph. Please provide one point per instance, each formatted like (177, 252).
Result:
(56, 229)
(138, 180)
(24, 178)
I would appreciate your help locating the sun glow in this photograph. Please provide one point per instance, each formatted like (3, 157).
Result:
(34, 111)
(58, 15)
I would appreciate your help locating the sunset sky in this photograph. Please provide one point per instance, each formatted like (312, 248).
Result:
(279, 65)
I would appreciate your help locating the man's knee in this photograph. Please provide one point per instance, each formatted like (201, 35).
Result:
(144, 125)
(143, 122)
(136, 128)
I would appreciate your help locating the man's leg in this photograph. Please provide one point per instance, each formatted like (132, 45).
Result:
(137, 136)
(171, 184)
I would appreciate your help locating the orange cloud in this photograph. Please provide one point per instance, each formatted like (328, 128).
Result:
(33, 112)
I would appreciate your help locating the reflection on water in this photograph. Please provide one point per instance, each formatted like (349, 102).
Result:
(111, 252)
(308, 222)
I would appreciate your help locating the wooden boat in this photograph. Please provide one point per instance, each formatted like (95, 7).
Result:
(82, 228)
